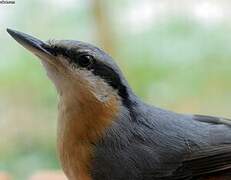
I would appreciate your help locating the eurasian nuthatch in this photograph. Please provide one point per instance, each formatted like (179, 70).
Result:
(105, 132)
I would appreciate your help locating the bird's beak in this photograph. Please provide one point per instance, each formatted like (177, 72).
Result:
(33, 44)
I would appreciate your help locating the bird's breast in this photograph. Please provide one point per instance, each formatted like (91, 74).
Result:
(79, 127)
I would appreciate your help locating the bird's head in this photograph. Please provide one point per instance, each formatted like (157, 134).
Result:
(77, 68)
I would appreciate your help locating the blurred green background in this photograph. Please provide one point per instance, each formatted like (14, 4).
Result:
(175, 54)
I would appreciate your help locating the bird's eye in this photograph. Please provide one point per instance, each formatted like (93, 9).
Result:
(85, 60)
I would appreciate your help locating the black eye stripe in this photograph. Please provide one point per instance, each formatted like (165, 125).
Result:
(112, 78)
(61, 51)
(99, 69)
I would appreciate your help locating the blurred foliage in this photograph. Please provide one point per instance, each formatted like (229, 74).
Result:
(176, 63)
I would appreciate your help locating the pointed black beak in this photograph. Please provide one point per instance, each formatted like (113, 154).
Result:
(33, 44)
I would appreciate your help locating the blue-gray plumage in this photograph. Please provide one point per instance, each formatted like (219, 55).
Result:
(158, 144)
(107, 133)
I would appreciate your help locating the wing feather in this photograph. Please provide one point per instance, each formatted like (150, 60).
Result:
(205, 161)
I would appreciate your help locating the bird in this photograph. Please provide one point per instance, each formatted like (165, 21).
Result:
(106, 132)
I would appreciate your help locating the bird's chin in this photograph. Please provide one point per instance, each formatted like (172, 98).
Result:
(52, 73)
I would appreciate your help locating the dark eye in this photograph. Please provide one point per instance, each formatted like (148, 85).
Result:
(85, 60)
